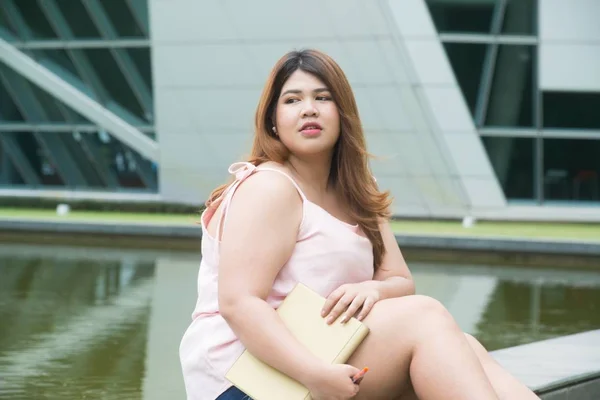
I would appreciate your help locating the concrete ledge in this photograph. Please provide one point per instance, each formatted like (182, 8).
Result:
(103, 228)
(429, 242)
(566, 367)
(498, 244)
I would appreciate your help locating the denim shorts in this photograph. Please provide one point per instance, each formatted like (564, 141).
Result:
(233, 393)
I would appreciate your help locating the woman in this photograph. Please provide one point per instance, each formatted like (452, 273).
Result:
(306, 209)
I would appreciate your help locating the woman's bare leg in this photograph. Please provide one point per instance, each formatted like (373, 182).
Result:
(506, 386)
(414, 340)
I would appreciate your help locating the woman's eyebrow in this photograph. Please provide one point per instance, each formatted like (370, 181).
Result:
(297, 91)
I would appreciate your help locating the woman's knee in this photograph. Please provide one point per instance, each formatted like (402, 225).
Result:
(412, 311)
(427, 308)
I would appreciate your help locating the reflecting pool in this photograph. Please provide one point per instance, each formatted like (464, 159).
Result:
(99, 323)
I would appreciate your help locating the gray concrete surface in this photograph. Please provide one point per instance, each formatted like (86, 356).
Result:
(566, 367)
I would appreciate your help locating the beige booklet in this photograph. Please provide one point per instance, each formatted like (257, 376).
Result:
(301, 313)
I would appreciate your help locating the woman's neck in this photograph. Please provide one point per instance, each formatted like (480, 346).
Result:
(313, 172)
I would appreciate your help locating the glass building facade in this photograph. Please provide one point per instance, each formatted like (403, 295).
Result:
(544, 145)
(102, 49)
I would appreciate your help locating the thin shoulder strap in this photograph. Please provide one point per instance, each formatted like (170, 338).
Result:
(243, 170)
(287, 176)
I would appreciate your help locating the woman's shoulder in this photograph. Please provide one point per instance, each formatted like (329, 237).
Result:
(274, 165)
(264, 182)
(267, 194)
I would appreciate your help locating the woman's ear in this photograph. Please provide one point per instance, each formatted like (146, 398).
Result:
(274, 127)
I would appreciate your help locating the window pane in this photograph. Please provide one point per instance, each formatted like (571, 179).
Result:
(4, 22)
(51, 112)
(513, 160)
(571, 169)
(120, 160)
(571, 110)
(520, 17)
(115, 83)
(122, 19)
(512, 95)
(9, 175)
(39, 160)
(78, 19)
(65, 113)
(72, 143)
(467, 63)
(73, 116)
(141, 59)
(8, 109)
(462, 16)
(58, 57)
(35, 19)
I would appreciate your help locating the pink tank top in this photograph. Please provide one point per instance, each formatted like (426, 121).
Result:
(328, 253)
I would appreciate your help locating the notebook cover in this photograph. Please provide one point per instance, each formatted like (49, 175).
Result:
(301, 313)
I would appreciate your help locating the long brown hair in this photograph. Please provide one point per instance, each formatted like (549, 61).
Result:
(350, 174)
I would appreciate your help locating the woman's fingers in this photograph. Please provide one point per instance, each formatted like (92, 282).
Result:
(353, 308)
(340, 307)
(366, 308)
(332, 300)
(348, 301)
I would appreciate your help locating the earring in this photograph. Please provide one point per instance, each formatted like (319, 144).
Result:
(274, 130)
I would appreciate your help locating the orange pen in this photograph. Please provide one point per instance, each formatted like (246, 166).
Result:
(359, 375)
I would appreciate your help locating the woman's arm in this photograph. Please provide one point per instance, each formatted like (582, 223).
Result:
(258, 238)
(393, 275)
(392, 279)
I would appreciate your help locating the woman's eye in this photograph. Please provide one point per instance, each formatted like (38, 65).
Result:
(324, 98)
(290, 101)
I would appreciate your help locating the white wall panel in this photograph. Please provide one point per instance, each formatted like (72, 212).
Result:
(434, 67)
(177, 21)
(569, 45)
(470, 156)
(208, 82)
(365, 63)
(393, 56)
(354, 17)
(403, 189)
(204, 65)
(387, 156)
(274, 19)
(573, 20)
(387, 107)
(412, 18)
(570, 67)
(413, 154)
(448, 108)
(483, 192)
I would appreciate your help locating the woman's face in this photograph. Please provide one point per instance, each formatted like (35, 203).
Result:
(307, 119)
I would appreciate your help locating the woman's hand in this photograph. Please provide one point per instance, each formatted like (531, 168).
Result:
(349, 298)
(333, 383)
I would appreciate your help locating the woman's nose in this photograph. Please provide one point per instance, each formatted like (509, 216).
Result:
(310, 109)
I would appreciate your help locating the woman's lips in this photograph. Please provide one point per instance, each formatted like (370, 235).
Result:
(311, 131)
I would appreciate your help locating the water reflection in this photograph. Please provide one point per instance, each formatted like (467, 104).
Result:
(507, 306)
(73, 329)
(547, 311)
(105, 324)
